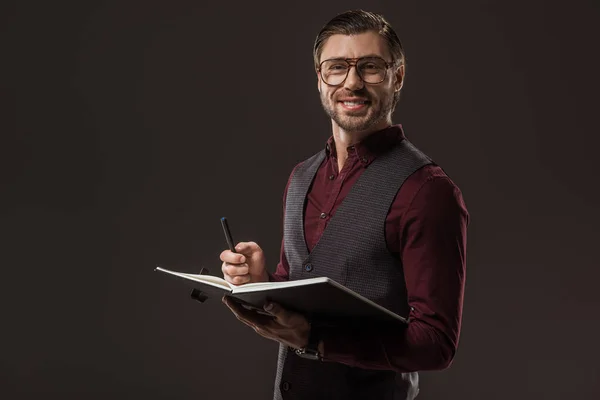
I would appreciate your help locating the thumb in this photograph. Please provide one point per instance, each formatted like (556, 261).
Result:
(247, 247)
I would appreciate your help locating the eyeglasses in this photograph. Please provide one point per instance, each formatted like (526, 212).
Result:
(370, 69)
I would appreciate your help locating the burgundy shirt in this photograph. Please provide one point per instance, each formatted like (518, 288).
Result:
(426, 227)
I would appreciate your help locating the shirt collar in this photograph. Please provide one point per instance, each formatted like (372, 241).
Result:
(372, 146)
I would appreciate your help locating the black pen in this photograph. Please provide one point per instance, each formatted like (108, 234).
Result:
(228, 234)
(232, 248)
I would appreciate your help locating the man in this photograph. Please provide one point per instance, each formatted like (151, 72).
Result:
(373, 213)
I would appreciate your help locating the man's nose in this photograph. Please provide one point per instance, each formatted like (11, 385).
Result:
(353, 81)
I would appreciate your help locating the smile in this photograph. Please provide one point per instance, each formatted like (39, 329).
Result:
(354, 104)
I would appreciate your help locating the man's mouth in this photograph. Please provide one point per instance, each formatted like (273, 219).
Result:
(354, 104)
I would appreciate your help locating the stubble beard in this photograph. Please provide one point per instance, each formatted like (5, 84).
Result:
(356, 123)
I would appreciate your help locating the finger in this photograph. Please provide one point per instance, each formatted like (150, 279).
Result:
(235, 269)
(264, 332)
(247, 248)
(232, 258)
(249, 317)
(281, 315)
(238, 279)
(244, 314)
(240, 312)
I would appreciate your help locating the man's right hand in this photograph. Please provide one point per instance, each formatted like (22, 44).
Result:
(246, 265)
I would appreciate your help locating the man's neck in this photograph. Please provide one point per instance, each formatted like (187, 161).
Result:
(344, 139)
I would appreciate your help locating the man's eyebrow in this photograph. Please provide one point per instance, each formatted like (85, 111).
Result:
(372, 55)
(344, 58)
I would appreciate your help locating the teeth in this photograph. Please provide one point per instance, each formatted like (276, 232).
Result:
(353, 103)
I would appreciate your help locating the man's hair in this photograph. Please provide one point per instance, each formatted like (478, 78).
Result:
(355, 22)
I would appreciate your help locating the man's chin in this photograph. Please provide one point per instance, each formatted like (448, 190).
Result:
(354, 123)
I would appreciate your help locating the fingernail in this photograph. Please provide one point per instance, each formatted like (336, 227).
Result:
(268, 306)
(243, 259)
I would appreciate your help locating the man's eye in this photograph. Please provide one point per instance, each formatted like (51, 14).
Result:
(370, 66)
(337, 67)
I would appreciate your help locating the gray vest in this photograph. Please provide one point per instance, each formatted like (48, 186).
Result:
(353, 252)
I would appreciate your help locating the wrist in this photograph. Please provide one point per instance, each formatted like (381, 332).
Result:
(313, 348)
(260, 277)
(265, 276)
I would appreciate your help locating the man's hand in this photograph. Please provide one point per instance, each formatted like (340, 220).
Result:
(283, 326)
(247, 265)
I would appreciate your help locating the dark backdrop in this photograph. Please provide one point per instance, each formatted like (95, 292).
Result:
(129, 128)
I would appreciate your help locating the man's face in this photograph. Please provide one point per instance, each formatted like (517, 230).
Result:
(355, 105)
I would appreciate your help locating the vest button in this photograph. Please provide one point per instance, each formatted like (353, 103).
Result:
(308, 267)
(285, 386)
(331, 177)
(323, 215)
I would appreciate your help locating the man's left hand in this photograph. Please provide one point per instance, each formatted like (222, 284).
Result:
(284, 326)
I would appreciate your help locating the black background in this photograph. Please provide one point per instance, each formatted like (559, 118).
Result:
(129, 128)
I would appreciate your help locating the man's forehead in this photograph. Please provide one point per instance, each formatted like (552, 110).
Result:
(353, 46)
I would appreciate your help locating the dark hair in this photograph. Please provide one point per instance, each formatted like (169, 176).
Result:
(354, 22)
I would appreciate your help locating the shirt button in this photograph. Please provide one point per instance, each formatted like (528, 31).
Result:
(308, 267)
(365, 159)
(331, 177)
(323, 215)
(285, 386)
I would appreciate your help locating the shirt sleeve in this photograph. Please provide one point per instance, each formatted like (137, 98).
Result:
(433, 249)
(282, 272)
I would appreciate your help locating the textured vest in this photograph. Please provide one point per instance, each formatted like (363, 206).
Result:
(353, 252)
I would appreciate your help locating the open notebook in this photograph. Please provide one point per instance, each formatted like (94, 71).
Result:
(317, 298)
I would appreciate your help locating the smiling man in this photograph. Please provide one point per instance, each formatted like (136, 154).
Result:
(374, 213)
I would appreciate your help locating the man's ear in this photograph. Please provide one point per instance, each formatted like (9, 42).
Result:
(399, 78)
(318, 82)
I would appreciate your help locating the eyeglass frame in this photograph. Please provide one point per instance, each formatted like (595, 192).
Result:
(388, 65)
